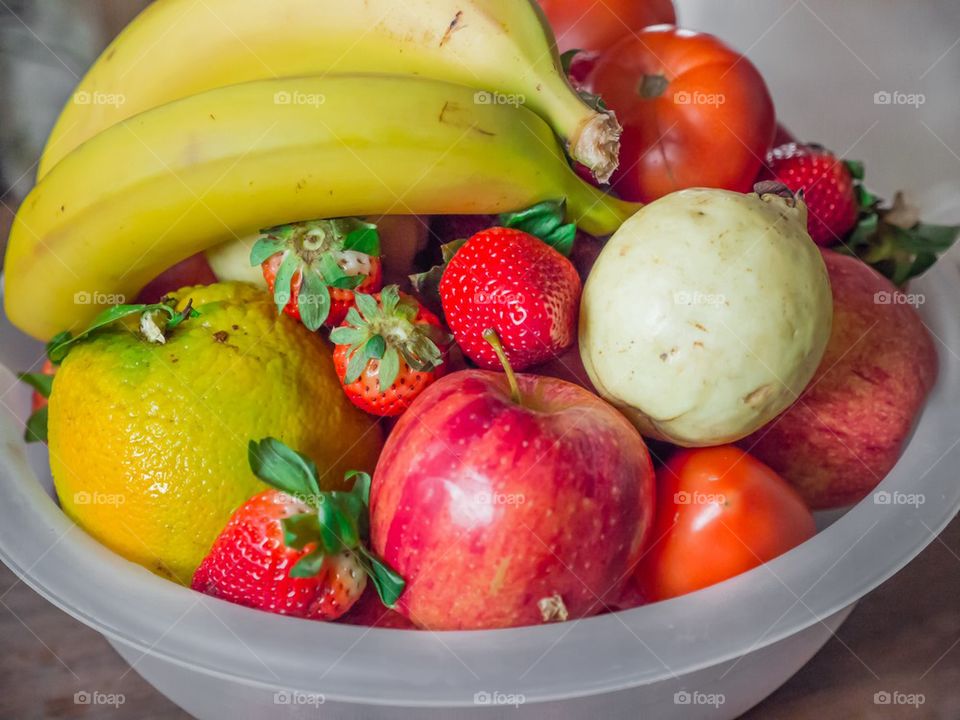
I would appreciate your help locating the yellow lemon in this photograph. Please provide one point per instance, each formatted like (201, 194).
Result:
(148, 441)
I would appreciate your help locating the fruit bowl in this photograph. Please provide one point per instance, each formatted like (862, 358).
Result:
(713, 653)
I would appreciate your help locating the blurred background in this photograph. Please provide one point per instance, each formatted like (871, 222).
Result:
(835, 70)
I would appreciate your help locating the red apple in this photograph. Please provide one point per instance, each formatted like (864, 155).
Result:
(848, 428)
(503, 507)
(195, 270)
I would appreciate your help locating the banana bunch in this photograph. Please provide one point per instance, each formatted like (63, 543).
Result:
(178, 179)
(177, 48)
(206, 121)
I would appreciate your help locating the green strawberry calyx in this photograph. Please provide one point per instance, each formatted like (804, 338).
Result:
(331, 253)
(891, 238)
(546, 221)
(338, 521)
(36, 425)
(386, 332)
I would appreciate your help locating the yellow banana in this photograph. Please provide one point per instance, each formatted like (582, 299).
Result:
(178, 179)
(177, 48)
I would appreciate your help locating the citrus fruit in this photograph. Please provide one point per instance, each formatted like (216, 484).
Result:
(148, 441)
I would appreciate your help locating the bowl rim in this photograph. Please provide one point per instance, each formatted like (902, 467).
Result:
(602, 654)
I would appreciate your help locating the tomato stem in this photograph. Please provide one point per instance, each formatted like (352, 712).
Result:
(653, 86)
(490, 335)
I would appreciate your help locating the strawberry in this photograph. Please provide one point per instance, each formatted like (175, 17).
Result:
(389, 349)
(512, 282)
(313, 268)
(829, 188)
(296, 550)
(42, 384)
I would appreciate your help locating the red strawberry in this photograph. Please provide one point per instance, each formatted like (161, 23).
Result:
(41, 384)
(828, 188)
(370, 612)
(313, 268)
(518, 285)
(389, 349)
(249, 564)
(298, 551)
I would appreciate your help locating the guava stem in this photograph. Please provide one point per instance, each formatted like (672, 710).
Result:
(490, 335)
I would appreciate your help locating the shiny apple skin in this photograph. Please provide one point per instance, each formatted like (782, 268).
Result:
(485, 507)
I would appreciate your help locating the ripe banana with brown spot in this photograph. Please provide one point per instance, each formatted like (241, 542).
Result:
(176, 48)
(172, 181)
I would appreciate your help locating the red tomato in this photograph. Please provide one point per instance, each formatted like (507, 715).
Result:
(720, 512)
(695, 113)
(593, 25)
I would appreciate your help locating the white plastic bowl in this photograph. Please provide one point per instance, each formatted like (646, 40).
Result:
(740, 639)
(711, 654)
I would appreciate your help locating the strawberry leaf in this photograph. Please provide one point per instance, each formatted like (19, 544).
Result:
(334, 276)
(389, 299)
(427, 283)
(363, 239)
(313, 301)
(355, 365)
(341, 521)
(36, 428)
(367, 306)
(353, 318)
(389, 368)
(545, 221)
(60, 345)
(282, 290)
(338, 518)
(388, 583)
(361, 484)
(309, 565)
(300, 530)
(283, 468)
(855, 168)
(375, 347)
(264, 249)
(41, 382)
(347, 335)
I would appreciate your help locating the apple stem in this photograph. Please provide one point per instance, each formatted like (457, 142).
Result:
(490, 335)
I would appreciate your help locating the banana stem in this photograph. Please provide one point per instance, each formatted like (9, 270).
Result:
(596, 212)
